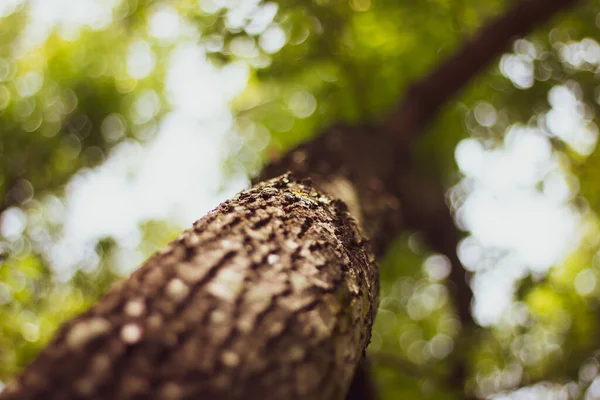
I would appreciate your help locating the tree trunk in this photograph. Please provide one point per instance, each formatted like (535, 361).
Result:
(272, 294)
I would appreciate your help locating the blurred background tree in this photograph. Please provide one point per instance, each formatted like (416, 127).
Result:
(122, 121)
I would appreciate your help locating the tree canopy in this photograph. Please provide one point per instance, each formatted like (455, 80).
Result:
(121, 122)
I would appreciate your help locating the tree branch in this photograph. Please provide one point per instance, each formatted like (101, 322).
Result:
(426, 96)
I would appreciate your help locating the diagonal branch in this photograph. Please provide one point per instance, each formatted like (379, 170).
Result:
(427, 96)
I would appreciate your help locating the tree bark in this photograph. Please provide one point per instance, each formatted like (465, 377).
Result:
(271, 295)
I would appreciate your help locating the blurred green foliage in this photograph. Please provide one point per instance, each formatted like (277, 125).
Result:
(71, 97)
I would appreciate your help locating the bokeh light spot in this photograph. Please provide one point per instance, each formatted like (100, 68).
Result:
(164, 24)
(519, 69)
(302, 104)
(140, 60)
(585, 282)
(272, 39)
(12, 223)
(113, 127)
(485, 114)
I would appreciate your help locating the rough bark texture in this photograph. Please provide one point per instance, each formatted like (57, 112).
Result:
(271, 295)
(357, 165)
